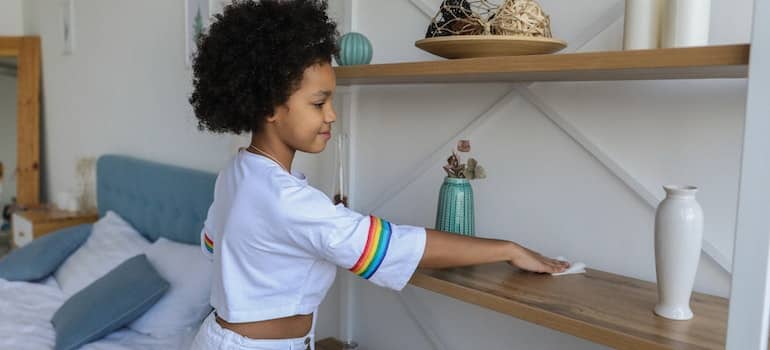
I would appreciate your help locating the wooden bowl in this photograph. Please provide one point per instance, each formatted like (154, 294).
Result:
(469, 46)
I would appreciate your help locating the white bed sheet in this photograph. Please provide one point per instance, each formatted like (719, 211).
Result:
(26, 310)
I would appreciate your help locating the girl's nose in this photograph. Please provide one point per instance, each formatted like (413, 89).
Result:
(331, 116)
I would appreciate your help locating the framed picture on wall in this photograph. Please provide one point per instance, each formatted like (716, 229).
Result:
(67, 25)
(216, 6)
(197, 14)
(340, 12)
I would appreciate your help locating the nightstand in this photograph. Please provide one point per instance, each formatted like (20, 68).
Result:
(34, 223)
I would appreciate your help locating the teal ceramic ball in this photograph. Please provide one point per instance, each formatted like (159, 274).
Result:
(355, 48)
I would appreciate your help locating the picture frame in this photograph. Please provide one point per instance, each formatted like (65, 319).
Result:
(197, 14)
(67, 26)
(340, 12)
(216, 6)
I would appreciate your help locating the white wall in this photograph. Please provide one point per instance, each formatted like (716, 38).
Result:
(543, 189)
(11, 17)
(8, 137)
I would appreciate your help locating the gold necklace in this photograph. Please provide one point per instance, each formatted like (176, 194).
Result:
(268, 155)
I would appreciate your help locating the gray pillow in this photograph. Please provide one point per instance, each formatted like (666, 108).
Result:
(111, 302)
(42, 256)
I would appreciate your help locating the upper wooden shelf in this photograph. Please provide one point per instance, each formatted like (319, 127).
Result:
(602, 307)
(729, 61)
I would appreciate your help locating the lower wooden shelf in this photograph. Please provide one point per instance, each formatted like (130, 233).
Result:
(329, 344)
(602, 307)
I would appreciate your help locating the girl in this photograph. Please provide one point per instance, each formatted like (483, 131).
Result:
(265, 67)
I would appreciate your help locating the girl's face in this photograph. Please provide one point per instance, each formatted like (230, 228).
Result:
(304, 123)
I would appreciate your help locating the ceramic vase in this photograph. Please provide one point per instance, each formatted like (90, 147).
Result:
(455, 207)
(678, 237)
(355, 48)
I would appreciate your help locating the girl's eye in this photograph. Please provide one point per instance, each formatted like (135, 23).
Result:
(319, 105)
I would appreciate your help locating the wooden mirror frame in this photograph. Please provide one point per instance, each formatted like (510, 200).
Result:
(26, 49)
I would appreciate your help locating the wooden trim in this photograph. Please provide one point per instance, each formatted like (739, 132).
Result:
(27, 51)
(598, 306)
(9, 46)
(728, 61)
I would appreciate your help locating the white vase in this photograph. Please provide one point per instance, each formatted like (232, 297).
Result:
(678, 237)
(685, 23)
(641, 24)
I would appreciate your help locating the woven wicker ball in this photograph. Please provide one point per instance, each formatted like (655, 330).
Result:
(485, 17)
(522, 17)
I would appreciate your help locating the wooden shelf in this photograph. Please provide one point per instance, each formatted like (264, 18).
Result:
(729, 61)
(329, 344)
(602, 307)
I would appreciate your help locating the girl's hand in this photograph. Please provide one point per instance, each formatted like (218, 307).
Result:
(529, 260)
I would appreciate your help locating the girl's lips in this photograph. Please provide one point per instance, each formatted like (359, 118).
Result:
(326, 135)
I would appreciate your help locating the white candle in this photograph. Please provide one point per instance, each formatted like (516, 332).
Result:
(641, 28)
(685, 23)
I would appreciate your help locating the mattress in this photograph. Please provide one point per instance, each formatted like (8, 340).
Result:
(27, 308)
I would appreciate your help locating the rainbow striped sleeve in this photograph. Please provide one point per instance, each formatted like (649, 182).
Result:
(209, 243)
(375, 249)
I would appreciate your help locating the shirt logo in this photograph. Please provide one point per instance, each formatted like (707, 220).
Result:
(376, 248)
(208, 242)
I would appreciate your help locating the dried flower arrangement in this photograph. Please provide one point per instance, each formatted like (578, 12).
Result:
(455, 169)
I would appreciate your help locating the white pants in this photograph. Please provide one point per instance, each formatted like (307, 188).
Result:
(211, 336)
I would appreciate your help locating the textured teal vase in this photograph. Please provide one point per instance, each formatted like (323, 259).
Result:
(455, 207)
(355, 48)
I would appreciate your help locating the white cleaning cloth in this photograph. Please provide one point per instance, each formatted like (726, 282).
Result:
(577, 267)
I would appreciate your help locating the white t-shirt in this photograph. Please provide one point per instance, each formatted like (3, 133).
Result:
(275, 242)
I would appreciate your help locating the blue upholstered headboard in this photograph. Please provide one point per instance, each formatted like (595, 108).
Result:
(159, 200)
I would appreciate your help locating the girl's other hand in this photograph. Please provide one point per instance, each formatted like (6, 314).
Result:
(529, 260)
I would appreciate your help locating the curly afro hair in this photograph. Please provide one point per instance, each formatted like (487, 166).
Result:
(253, 58)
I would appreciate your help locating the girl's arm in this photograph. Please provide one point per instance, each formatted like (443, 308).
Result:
(443, 249)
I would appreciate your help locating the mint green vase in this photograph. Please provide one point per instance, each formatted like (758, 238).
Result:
(355, 48)
(455, 207)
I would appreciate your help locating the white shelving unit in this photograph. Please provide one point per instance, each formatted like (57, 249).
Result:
(741, 326)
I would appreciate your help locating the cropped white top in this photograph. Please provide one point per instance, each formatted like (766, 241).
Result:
(276, 241)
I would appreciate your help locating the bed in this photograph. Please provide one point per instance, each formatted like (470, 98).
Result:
(159, 201)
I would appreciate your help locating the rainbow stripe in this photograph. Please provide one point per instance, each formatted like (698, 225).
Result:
(209, 243)
(376, 248)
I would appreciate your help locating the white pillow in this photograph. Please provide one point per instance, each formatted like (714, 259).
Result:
(186, 303)
(112, 242)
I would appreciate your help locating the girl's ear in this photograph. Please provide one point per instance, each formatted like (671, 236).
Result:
(278, 112)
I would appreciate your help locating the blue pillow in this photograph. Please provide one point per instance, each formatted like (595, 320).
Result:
(111, 302)
(42, 256)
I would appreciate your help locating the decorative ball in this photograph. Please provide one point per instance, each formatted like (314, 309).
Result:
(451, 9)
(522, 17)
(355, 48)
(484, 17)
